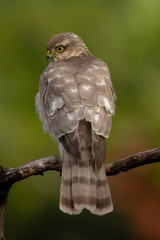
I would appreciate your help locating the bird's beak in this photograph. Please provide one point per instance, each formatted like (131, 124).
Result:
(49, 55)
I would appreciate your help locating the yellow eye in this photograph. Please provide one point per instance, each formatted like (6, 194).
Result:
(59, 49)
(48, 52)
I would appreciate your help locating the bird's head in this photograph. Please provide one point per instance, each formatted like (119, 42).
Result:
(65, 45)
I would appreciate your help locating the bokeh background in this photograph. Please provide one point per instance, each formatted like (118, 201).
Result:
(126, 35)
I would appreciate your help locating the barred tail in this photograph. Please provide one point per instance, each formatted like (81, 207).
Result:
(104, 201)
(82, 188)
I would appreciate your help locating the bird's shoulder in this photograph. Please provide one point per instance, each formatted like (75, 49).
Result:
(75, 65)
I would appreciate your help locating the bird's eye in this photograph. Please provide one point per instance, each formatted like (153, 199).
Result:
(59, 49)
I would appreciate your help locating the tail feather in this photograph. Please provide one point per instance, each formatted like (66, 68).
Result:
(104, 201)
(82, 187)
(84, 183)
(80, 183)
(92, 197)
(66, 199)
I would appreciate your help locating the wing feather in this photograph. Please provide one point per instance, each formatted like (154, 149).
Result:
(73, 90)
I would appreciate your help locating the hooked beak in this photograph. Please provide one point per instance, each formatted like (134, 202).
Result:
(49, 55)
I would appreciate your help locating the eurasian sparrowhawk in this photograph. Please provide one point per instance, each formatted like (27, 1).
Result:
(76, 103)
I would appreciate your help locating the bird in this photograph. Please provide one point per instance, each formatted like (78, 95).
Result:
(76, 102)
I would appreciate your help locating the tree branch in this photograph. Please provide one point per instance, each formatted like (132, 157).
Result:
(8, 176)
(133, 161)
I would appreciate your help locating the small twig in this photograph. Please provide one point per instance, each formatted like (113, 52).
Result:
(8, 176)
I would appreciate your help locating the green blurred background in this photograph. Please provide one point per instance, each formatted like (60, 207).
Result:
(126, 35)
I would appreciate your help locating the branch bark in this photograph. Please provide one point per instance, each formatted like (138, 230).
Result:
(9, 176)
(133, 161)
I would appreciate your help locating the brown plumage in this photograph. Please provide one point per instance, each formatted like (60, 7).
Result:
(76, 102)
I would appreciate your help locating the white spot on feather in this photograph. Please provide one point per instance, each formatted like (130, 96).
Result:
(73, 90)
(51, 70)
(96, 117)
(58, 75)
(67, 80)
(96, 67)
(70, 117)
(49, 79)
(107, 104)
(61, 102)
(102, 83)
(54, 106)
(89, 110)
(86, 87)
(104, 68)
(77, 110)
(88, 78)
(98, 109)
(74, 35)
